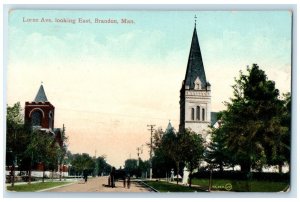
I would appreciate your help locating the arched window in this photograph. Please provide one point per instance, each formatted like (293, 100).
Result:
(193, 114)
(36, 118)
(198, 113)
(203, 114)
(50, 119)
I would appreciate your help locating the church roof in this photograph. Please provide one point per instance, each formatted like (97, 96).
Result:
(195, 67)
(213, 118)
(41, 96)
(169, 127)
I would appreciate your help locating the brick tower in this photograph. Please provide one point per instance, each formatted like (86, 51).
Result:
(40, 112)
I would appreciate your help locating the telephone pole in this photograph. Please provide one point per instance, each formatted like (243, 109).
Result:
(151, 130)
(139, 151)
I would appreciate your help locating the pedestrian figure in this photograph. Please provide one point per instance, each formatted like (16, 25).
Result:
(85, 176)
(128, 182)
(112, 177)
(109, 181)
(124, 181)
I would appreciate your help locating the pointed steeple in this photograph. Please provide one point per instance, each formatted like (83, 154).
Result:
(169, 127)
(195, 67)
(41, 96)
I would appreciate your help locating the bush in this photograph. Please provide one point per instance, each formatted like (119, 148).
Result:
(238, 175)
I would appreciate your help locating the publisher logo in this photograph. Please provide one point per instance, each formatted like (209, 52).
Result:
(228, 186)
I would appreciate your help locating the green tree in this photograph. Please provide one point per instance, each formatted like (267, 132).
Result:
(192, 148)
(162, 164)
(181, 148)
(102, 166)
(14, 131)
(286, 122)
(43, 150)
(17, 139)
(217, 154)
(144, 166)
(61, 150)
(83, 163)
(278, 149)
(131, 166)
(26, 147)
(251, 121)
(172, 148)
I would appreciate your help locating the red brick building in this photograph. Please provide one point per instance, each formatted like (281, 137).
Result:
(40, 115)
(40, 112)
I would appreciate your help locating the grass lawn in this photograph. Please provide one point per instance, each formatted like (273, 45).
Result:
(35, 186)
(163, 186)
(241, 185)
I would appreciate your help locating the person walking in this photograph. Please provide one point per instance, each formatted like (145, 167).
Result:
(85, 176)
(128, 182)
(112, 177)
(124, 181)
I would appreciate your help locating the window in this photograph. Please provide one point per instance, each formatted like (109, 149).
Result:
(203, 114)
(193, 114)
(50, 119)
(198, 113)
(36, 118)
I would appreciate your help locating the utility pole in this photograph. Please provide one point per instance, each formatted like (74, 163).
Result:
(151, 130)
(96, 167)
(139, 151)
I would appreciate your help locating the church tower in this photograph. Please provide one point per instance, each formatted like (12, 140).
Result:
(40, 112)
(195, 93)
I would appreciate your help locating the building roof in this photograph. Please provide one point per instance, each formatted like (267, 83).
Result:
(195, 67)
(41, 96)
(213, 118)
(169, 127)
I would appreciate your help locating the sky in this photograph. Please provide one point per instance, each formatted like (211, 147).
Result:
(109, 81)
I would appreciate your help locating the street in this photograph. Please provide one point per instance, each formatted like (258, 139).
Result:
(99, 184)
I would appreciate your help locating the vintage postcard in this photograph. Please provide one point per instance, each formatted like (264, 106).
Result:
(148, 101)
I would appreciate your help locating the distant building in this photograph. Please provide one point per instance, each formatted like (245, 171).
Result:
(170, 128)
(195, 94)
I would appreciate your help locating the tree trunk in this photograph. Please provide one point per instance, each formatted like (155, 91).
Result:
(29, 174)
(221, 168)
(177, 167)
(210, 180)
(245, 167)
(190, 179)
(43, 174)
(13, 175)
(280, 167)
(190, 176)
(29, 177)
(60, 171)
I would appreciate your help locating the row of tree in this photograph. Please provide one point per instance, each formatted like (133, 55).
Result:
(176, 150)
(27, 148)
(136, 167)
(254, 131)
(84, 163)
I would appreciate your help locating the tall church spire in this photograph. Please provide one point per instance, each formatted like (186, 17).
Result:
(195, 67)
(195, 93)
(41, 96)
